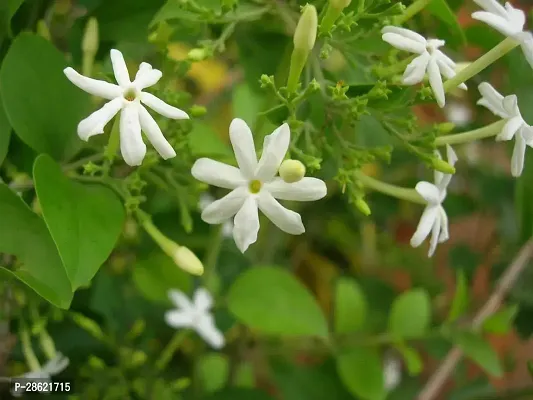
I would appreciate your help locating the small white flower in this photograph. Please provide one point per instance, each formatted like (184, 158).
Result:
(205, 201)
(516, 127)
(392, 372)
(53, 367)
(434, 219)
(458, 113)
(195, 315)
(430, 59)
(507, 20)
(127, 97)
(255, 185)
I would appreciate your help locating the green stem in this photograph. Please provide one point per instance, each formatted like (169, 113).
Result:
(481, 63)
(388, 189)
(411, 11)
(210, 263)
(329, 19)
(167, 245)
(470, 136)
(298, 60)
(27, 350)
(170, 349)
(87, 63)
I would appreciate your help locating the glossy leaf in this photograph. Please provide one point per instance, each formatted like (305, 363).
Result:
(410, 314)
(85, 220)
(272, 301)
(480, 351)
(42, 106)
(350, 306)
(24, 235)
(361, 371)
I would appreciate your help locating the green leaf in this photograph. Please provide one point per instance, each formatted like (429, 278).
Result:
(204, 141)
(42, 106)
(441, 10)
(24, 235)
(5, 132)
(460, 299)
(156, 275)
(85, 220)
(410, 314)
(479, 351)
(247, 104)
(350, 306)
(412, 359)
(501, 322)
(361, 371)
(213, 371)
(272, 301)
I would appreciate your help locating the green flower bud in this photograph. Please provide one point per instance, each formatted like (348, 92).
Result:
(291, 171)
(197, 111)
(88, 325)
(197, 54)
(91, 39)
(305, 33)
(442, 166)
(304, 41)
(340, 4)
(266, 81)
(187, 260)
(363, 206)
(314, 85)
(96, 362)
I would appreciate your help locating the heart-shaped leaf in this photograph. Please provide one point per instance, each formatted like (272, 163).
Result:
(85, 221)
(24, 235)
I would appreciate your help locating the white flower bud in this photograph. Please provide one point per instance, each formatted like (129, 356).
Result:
(187, 260)
(305, 33)
(340, 4)
(91, 38)
(291, 171)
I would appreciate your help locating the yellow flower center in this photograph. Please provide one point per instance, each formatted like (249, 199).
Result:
(130, 95)
(255, 186)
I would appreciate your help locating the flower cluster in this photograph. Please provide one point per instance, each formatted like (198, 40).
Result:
(257, 183)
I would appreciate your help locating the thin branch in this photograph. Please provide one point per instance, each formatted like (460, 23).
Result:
(506, 282)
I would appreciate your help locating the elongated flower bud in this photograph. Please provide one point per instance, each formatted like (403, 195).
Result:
(291, 171)
(91, 38)
(304, 41)
(442, 166)
(187, 260)
(340, 4)
(333, 12)
(182, 256)
(305, 33)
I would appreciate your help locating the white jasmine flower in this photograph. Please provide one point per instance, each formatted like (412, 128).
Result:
(458, 113)
(430, 59)
(255, 185)
(516, 127)
(205, 200)
(392, 373)
(507, 20)
(195, 315)
(53, 367)
(434, 219)
(127, 97)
